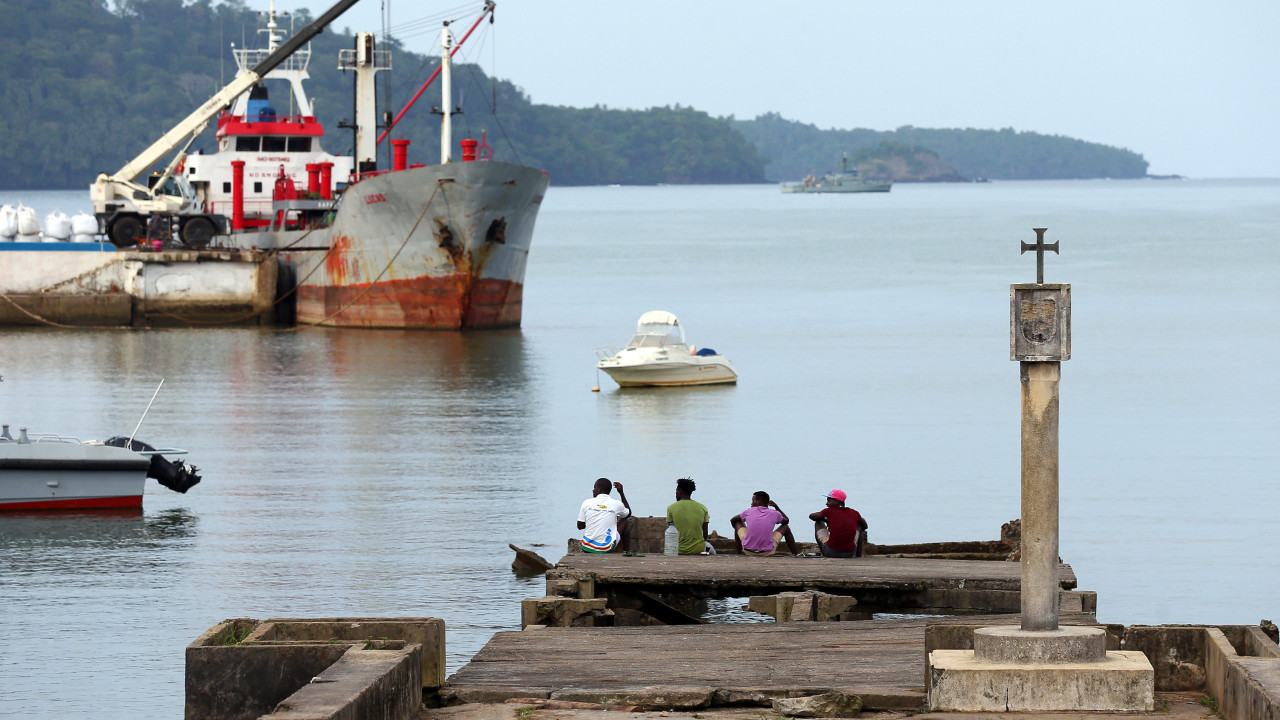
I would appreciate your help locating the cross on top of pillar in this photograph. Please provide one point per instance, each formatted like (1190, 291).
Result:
(1040, 247)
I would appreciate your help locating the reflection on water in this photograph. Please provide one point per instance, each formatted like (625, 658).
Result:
(120, 529)
(45, 546)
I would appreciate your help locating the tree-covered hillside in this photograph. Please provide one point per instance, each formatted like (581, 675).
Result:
(795, 149)
(87, 86)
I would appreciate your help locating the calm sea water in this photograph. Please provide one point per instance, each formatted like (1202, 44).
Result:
(383, 473)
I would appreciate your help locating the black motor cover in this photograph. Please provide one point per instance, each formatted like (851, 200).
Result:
(176, 476)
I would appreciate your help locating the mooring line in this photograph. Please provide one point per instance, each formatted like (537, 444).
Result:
(47, 321)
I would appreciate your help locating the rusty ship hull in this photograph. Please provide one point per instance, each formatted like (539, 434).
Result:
(435, 247)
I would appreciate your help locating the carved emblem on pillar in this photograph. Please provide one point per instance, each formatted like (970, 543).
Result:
(1040, 322)
(1040, 313)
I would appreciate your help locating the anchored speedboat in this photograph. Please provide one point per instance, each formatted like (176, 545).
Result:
(658, 356)
(52, 472)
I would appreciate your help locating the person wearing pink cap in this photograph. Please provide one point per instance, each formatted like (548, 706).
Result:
(841, 531)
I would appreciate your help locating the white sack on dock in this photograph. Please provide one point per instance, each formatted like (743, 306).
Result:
(57, 226)
(84, 227)
(8, 222)
(27, 223)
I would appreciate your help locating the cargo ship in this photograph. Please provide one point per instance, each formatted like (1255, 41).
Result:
(441, 246)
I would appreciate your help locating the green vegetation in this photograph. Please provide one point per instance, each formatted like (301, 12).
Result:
(796, 149)
(234, 635)
(88, 87)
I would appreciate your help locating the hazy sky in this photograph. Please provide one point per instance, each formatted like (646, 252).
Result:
(1193, 86)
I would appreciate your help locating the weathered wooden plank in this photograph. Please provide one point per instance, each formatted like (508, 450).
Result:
(771, 574)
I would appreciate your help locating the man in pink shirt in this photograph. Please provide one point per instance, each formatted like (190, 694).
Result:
(754, 531)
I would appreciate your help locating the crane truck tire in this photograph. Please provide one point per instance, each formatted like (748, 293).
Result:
(198, 231)
(126, 231)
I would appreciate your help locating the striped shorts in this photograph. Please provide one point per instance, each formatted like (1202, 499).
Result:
(593, 546)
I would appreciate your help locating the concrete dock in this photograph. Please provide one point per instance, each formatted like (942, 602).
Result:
(137, 288)
(623, 634)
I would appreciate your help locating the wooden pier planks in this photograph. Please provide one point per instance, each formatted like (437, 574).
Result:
(881, 660)
(784, 572)
(884, 655)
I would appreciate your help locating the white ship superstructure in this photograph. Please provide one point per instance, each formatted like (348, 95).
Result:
(270, 132)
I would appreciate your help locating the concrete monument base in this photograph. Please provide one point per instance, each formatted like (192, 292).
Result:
(1011, 645)
(1123, 681)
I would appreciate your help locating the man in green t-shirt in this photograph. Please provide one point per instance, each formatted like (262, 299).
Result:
(690, 517)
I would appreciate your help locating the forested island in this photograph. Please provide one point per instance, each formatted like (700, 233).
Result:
(796, 148)
(88, 87)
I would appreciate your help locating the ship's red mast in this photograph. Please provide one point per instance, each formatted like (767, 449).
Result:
(488, 10)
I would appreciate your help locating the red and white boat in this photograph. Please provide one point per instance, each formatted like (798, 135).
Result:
(51, 472)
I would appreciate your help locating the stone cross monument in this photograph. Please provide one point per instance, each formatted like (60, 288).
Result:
(1040, 339)
(1040, 666)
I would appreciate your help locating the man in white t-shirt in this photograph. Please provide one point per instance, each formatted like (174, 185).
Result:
(603, 520)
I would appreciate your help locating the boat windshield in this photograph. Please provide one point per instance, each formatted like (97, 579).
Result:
(655, 335)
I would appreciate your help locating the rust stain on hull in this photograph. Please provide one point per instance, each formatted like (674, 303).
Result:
(335, 263)
(453, 302)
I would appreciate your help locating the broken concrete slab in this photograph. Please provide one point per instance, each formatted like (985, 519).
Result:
(528, 563)
(802, 606)
(831, 704)
(557, 611)
(363, 683)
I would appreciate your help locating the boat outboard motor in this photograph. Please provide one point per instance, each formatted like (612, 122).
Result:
(175, 475)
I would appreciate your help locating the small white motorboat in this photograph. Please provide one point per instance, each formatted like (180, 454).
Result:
(51, 472)
(658, 357)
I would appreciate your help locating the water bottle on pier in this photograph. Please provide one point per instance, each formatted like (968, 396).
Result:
(671, 540)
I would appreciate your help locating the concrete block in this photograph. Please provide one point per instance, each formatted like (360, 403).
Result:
(1247, 688)
(827, 606)
(1257, 644)
(362, 684)
(1123, 682)
(801, 606)
(1256, 688)
(1177, 653)
(1010, 644)
(228, 680)
(645, 534)
(426, 631)
(558, 611)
